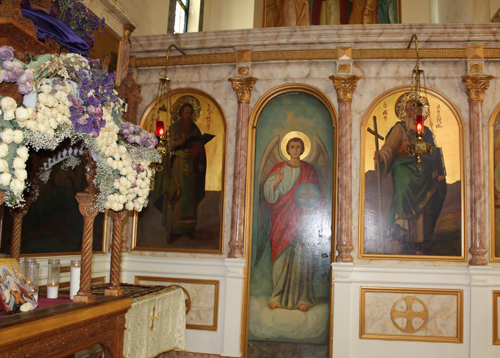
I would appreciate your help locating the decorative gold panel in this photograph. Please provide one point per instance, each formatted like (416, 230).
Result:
(244, 55)
(475, 52)
(323, 54)
(344, 68)
(496, 318)
(243, 71)
(411, 314)
(202, 295)
(476, 68)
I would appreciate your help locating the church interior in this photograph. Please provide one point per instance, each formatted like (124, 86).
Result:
(320, 181)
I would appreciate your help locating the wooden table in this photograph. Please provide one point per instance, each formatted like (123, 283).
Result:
(62, 330)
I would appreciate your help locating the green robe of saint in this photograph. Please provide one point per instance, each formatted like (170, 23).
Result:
(418, 197)
(180, 186)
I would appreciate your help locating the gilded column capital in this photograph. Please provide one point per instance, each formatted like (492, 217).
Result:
(476, 86)
(345, 86)
(243, 87)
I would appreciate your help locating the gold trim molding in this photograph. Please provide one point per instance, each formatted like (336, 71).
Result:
(345, 86)
(323, 54)
(243, 88)
(409, 295)
(476, 86)
(496, 338)
(141, 280)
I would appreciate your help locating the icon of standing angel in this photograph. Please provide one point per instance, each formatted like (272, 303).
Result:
(294, 216)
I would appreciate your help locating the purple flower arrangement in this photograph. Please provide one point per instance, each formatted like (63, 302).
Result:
(94, 89)
(14, 72)
(134, 134)
(76, 15)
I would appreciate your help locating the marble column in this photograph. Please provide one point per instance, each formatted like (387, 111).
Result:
(464, 11)
(476, 86)
(243, 87)
(86, 205)
(116, 253)
(345, 86)
(15, 246)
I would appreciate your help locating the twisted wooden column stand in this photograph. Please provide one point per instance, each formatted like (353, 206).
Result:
(116, 252)
(15, 246)
(86, 205)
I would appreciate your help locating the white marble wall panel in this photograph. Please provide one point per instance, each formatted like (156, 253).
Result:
(442, 313)
(204, 300)
(322, 37)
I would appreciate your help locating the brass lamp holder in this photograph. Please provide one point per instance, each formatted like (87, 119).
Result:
(165, 145)
(419, 147)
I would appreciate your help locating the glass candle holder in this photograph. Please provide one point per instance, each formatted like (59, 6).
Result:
(25, 263)
(74, 277)
(32, 274)
(54, 270)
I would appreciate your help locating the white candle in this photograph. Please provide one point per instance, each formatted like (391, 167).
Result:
(52, 291)
(74, 281)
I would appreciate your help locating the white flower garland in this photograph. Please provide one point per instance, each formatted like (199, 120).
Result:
(123, 170)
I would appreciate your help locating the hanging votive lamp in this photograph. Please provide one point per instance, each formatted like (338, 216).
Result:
(417, 97)
(419, 127)
(160, 129)
(163, 104)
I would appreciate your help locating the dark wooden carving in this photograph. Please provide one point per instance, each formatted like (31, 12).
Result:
(106, 330)
(130, 92)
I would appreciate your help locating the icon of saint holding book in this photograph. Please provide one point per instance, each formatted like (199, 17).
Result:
(180, 187)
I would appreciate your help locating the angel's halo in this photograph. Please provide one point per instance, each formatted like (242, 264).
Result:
(295, 134)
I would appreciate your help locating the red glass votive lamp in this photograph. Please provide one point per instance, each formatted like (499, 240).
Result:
(160, 129)
(419, 127)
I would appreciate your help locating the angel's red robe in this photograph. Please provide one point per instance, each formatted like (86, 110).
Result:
(286, 216)
(293, 238)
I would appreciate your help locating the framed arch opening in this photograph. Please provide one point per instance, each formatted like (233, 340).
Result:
(406, 214)
(291, 196)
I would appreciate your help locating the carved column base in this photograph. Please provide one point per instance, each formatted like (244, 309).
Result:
(478, 257)
(344, 253)
(83, 299)
(113, 292)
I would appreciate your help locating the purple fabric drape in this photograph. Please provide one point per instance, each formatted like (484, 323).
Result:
(48, 26)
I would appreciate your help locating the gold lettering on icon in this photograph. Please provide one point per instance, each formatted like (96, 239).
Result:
(152, 319)
(410, 315)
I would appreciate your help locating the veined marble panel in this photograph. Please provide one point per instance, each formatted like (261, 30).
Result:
(411, 314)
(319, 37)
(203, 296)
